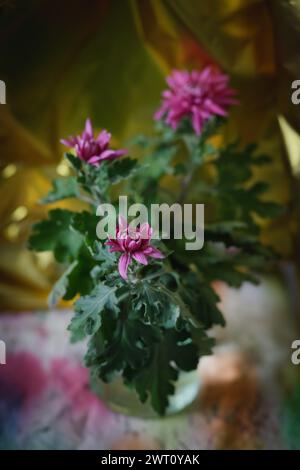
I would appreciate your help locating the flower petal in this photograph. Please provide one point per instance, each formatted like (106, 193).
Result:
(197, 122)
(70, 142)
(111, 154)
(140, 257)
(94, 160)
(214, 108)
(124, 262)
(113, 246)
(103, 138)
(88, 130)
(153, 252)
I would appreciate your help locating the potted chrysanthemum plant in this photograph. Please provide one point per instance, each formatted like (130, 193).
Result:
(145, 306)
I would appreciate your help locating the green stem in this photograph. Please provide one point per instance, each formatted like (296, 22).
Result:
(190, 144)
(185, 184)
(86, 199)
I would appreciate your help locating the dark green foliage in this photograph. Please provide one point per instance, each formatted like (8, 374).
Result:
(55, 234)
(155, 305)
(153, 327)
(62, 189)
(121, 169)
(237, 197)
(89, 309)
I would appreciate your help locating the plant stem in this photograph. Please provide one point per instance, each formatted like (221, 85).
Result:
(185, 184)
(86, 199)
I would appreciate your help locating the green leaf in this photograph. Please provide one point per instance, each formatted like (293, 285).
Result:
(179, 169)
(177, 351)
(233, 266)
(209, 149)
(201, 300)
(62, 188)
(234, 197)
(202, 341)
(141, 141)
(119, 170)
(101, 253)
(182, 351)
(60, 287)
(77, 279)
(89, 309)
(94, 180)
(85, 223)
(128, 344)
(75, 161)
(55, 234)
(155, 304)
(159, 161)
(209, 313)
(157, 380)
(80, 280)
(248, 243)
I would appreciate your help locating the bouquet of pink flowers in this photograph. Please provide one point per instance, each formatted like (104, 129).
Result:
(144, 301)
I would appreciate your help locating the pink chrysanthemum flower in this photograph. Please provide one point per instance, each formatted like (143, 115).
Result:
(198, 95)
(133, 244)
(90, 149)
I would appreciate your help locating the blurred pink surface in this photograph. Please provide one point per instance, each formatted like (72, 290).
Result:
(46, 403)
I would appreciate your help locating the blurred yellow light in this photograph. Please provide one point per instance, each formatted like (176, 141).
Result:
(63, 169)
(44, 259)
(9, 170)
(292, 142)
(12, 231)
(19, 213)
